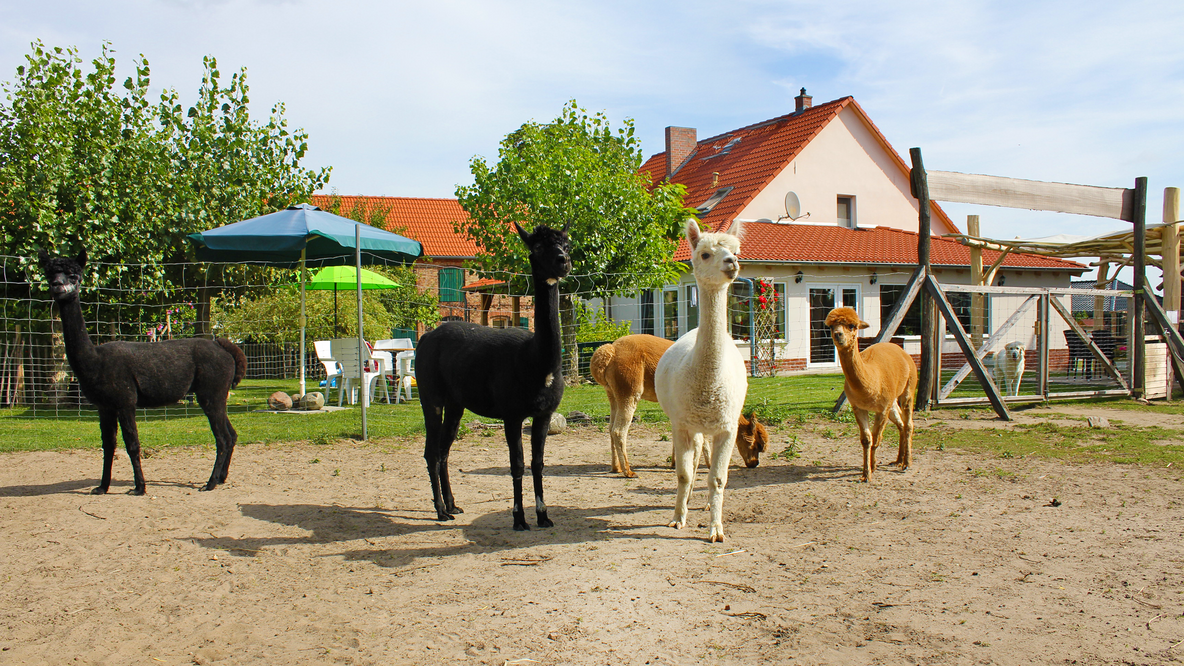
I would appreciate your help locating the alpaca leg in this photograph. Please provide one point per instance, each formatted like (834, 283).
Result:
(538, 442)
(620, 434)
(906, 431)
(684, 470)
(702, 452)
(717, 480)
(452, 416)
(108, 426)
(614, 414)
(434, 453)
(877, 434)
(224, 437)
(517, 467)
(131, 442)
(865, 438)
(902, 448)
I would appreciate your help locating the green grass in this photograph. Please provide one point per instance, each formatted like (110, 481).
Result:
(802, 401)
(1125, 444)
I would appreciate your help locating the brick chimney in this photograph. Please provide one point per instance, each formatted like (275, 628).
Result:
(680, 143)
(802, 102)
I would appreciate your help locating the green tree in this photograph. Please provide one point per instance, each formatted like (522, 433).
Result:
(84, 163)
(576, 171)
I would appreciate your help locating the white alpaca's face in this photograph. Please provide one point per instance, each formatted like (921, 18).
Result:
(714, 257)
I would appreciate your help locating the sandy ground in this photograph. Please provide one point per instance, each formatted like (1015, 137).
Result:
(330, 555)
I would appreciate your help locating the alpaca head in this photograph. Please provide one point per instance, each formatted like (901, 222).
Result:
(714, 256)
(751, 440)
(843, 322)
(550, 251)
(64, 275)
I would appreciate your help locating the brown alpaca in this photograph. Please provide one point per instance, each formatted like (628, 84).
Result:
(625, 369)
(881, 379)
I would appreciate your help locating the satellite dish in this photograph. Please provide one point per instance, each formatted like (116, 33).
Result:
(793, 208)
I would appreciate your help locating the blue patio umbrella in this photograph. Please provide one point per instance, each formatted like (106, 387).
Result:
(303, 234)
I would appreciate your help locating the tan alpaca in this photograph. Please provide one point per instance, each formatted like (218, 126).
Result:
(881, 379)
(625, 369)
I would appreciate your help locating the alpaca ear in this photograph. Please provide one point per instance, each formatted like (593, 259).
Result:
(566, 226)
(737, 228)
(693, 234)
(522, 232)
(43, 257)
(863, 324)
(81, 259)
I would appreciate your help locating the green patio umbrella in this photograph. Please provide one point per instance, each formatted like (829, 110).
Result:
(346, 277)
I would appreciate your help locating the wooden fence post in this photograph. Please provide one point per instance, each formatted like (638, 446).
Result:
(920, 188)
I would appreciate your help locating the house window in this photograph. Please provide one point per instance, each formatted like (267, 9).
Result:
(692, 306)
(647, 312)
(500, 322)
(451, 281)
(738, 310)
(889, 295)
(846, 212)
(782, 323)
(670, 313)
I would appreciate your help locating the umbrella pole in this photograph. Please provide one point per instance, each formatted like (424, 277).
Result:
(302, 323)
(336, 329)
(361, 340)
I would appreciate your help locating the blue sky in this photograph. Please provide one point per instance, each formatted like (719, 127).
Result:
(398, 97)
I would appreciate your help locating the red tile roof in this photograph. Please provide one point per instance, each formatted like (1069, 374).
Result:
(428, 221)
(829, 244)
(748, 159)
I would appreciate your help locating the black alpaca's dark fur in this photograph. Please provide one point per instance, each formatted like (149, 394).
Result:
(508, 374)
(118, 377)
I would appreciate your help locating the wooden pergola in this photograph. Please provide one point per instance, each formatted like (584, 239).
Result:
(1119, 249)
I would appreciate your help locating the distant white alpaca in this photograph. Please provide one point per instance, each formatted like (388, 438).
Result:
(700, 380)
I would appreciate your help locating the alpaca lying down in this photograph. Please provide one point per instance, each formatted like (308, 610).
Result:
(625, 368)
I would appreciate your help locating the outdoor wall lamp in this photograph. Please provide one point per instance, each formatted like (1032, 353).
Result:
(873, 278)
(1000, 282)
(799, 277)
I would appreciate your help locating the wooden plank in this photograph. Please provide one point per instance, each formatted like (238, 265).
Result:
(1113, 202)
(990, 343)
(947, 311)
(1138, 257)
(983, 400)
(1170, 239)
(1100, 393)
(888, 328)
(1089, 342)
(1169, 332)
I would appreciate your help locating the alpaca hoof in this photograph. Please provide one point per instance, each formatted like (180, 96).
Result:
(716, 536)
(545, 522)
(136, 491)
(521, 526)
(676, 524)
(101, 490)
(630, 474)
(442, 516)
(210, 485)
(453, 510)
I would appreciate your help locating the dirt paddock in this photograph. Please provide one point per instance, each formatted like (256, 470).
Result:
(331, 555)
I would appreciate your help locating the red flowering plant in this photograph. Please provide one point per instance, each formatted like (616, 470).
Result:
(767, 324)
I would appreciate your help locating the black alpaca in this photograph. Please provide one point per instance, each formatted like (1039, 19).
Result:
(118, 377)
(506, 374)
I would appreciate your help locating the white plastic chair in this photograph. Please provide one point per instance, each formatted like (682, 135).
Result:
(406, 375)
(395, 344)
(332, 367)
(363, 371)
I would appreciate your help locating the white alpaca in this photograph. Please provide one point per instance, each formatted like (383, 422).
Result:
(700, 380)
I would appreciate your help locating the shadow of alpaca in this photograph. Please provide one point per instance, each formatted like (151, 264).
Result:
(490, 532)
(33, 490)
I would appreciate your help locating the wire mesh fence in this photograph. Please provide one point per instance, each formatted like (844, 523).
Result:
(775, 321)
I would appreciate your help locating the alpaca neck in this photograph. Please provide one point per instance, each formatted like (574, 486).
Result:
(713, 333)
(546, 322)
(854, 369)
(79, 349)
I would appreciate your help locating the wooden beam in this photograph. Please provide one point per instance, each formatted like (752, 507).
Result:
(934, 290)
(920, 188)
(1139, 254)
(1175, 343)
(1113, 202)
(977, 301)
(1170, 239)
